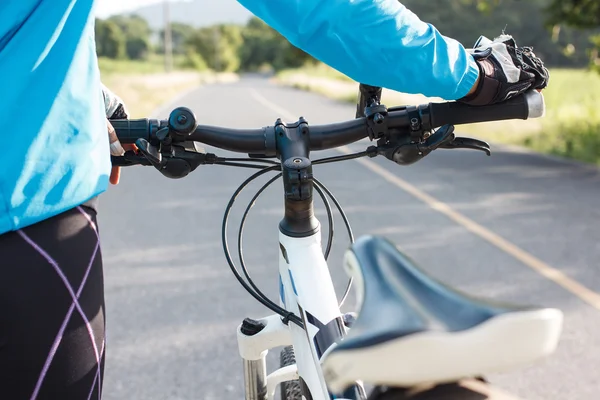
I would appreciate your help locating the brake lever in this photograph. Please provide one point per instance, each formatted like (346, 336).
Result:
(408, 152)
(129, 159)
(468, 143)
(177, 160)
(151, 153)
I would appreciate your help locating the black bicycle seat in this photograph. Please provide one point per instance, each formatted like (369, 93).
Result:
(412, 329)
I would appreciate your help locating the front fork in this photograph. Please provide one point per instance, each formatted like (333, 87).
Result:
(255, 379)
(255, 339)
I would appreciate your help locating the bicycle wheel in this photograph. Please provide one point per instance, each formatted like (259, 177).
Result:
(290, 390)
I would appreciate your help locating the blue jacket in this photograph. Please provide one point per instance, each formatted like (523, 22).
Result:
(55, 152)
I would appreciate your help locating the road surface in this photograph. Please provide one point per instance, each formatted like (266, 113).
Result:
(488, 225)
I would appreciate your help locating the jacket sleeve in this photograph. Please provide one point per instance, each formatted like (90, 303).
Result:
(376, 42)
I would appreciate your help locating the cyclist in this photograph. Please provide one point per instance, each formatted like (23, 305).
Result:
(55, 160)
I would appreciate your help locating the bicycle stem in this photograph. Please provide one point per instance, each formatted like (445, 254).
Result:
(293, 144)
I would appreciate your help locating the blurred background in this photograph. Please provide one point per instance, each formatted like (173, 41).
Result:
(521, 226)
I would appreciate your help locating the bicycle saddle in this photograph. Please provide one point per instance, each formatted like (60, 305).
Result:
(414, 330)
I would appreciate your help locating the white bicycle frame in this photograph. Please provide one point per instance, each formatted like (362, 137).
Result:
(306, 289)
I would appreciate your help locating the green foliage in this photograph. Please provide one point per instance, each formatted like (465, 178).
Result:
(180, 34)
(218, 45)
(595, 53)
(193, 60)
(572, 124)
(109, 66)
(132, 25)
(572, 21)
(580, 14)
(527, 21)
(263, 45)
(317, 70)
(137, 48)
(575, 13)
(136, 32)
(571, 127)
(110, 41)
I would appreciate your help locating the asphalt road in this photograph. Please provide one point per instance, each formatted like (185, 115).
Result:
(173, 304)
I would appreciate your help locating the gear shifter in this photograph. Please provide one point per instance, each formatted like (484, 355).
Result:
(150, 152)
(407, 152)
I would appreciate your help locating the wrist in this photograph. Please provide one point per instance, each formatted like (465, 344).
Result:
(474, 97)
(475, 86)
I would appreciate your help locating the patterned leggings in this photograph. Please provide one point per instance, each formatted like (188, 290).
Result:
(52, 310)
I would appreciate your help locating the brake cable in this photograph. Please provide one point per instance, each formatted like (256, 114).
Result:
(348, 227)
(244, 218)
(250, 286)
(288, 316)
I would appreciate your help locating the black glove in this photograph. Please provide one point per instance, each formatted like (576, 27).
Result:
(114, 106)
(506, 71)
(115, 109)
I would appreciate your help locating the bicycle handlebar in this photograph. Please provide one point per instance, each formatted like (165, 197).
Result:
(322, 137)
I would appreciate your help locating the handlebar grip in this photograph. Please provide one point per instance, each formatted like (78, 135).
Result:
(130, 130)
(528, 105)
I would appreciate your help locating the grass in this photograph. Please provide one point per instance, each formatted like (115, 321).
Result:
(571, 127)
(316, 70)
(144, 85)
(155, 63)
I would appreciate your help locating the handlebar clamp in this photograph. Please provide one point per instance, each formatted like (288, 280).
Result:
(377, 121)
(416, 124)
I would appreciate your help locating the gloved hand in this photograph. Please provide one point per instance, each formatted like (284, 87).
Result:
(115, 109)
(506, 71)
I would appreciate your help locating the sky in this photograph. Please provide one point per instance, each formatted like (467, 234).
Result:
(105, 8)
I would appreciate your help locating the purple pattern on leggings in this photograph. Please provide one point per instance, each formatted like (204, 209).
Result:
(74, 305)
(97, 378)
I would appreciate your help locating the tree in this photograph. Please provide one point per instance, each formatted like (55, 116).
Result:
(581, 18)
(193, 60)
(261, 45)
(132, 25)
(137, 35)
(528, 21)
(110, 41)
(180, 34)
(575, 13)
(137, 48)
(218, 45)
(581, 14)
(264, 46)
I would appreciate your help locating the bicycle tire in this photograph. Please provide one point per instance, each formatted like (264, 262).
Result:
(290, 390)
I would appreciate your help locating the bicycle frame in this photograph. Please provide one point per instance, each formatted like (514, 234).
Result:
(306, 289)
